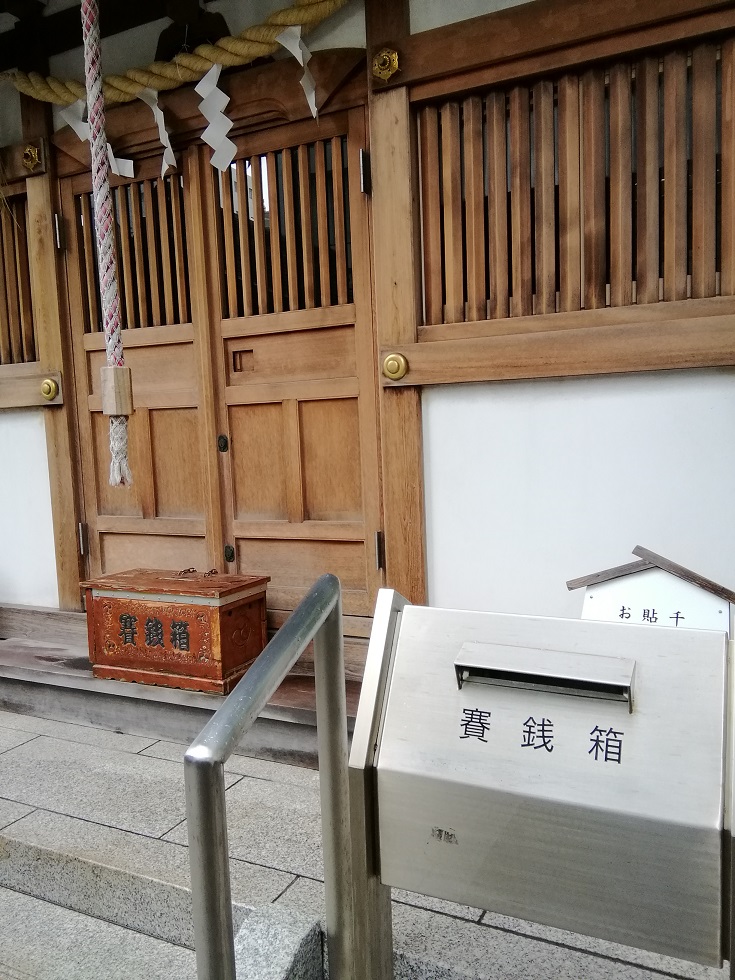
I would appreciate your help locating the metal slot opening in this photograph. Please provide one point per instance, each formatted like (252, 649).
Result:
(550, 671)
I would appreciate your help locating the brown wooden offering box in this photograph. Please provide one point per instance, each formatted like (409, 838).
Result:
(194, 630)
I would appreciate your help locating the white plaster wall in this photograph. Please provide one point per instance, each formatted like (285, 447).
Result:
(529, 484)
(427, 14)
(27, 558)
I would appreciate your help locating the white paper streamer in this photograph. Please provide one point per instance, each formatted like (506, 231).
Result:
(150, 97)
(212, 108)
(74, 116)
(291, 40)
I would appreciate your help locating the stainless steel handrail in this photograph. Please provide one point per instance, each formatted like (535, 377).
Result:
(317, 617)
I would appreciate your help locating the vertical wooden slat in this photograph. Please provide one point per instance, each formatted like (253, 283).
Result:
(229, 241)
(126, 258)
(153, 264)
(727, 165)
(141, 273)
(5, 348)
(340, 241)
(520, 202)
(261, 270)
(293, 462)
(179, 248)
(675, 175)
(593, 187)
(325, 288)
(570, 247)
(621, 187)
(704, 148)
(11, 284)
(647, 181)
(543, 145)
(431, 214)
(275, 230)
(243, 226)
(452, 211)
(307, 242)
(90, 265)
(24, 281)
(166, 268)
(141, 455)
(497, 218)
(474, 182)
(289, 219)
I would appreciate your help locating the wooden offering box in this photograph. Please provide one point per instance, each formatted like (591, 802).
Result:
(199, 631)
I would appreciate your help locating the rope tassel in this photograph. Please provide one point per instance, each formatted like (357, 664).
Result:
(117, 402)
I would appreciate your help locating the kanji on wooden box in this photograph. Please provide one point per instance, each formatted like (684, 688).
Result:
(199, 631)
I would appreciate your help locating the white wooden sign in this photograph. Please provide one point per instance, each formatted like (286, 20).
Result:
(656, 598)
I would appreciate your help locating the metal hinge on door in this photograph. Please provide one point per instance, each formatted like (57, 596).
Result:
(366, 180)
(379, 550)
(83, 531)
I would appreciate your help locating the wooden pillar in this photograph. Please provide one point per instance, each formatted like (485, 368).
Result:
(206, 318)
(53, 346)
(396, 295)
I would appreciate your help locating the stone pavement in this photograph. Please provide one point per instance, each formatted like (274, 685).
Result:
(87, 814)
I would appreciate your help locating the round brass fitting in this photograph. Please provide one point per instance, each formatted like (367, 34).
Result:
(49, 389)
(385, 63)
(395, 367)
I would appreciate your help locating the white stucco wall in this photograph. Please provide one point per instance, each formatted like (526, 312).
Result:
(27, 560)
(427, 14)
(529, 484)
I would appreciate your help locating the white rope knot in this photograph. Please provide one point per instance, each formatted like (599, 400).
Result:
(120, 475)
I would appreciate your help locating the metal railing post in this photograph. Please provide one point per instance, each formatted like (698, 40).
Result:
(318, 617)
(210, 868)
(331, 713)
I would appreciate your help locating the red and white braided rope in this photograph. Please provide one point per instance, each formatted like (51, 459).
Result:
(103, 220)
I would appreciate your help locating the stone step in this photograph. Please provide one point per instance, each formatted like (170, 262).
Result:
(43, 941)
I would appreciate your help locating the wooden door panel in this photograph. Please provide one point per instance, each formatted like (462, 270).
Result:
(330, 460)
(258, 466)
(295, 565)
(119, 552)
(297, 366)
(159, 521)
(177, 478)
(303, 354)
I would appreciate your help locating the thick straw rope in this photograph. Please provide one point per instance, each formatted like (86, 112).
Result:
(254, 42)
(103, 219)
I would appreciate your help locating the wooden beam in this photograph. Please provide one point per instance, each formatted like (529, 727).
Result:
(62, 31)
(396, 291)
(533, 29)
(655, 345)
(387, 24)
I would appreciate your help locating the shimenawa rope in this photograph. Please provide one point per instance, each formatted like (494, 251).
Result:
(103, 220)
(254, 42)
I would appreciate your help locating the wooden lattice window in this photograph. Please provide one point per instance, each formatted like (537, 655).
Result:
(285, 230)
(17, 338)
(150, 241)
(609, 187)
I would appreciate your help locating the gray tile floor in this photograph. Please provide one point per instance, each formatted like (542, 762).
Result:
(118, 800)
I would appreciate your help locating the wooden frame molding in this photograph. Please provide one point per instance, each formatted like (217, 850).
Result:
(54, 354)
(396, 284)
(547, 35)
(615, 340)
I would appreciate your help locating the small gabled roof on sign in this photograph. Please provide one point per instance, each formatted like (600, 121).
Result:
(649, 559)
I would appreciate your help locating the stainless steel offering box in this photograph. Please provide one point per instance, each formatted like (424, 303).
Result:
(567, 772)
